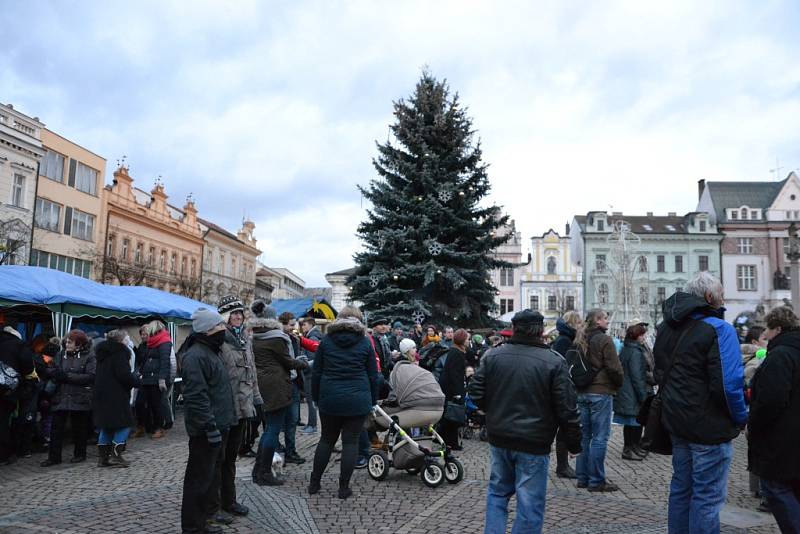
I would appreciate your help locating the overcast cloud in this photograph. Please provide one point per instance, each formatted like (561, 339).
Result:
(272, 109)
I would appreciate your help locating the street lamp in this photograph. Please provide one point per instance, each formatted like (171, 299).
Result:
(794, 266)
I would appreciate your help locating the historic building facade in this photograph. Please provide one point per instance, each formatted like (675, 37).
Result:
(755, 218)
(507, 279)
(553, 283)
(149, 242)
(631, 264)
(20, 153)
(69, 220)
(340, 291)
(229, 263)
(285, 284)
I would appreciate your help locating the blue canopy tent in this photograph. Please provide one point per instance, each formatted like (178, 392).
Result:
(316, 307)
(66, 297)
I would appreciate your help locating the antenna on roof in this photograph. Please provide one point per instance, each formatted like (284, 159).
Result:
(777, 170)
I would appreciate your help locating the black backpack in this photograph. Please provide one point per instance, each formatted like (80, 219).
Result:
(580, 368)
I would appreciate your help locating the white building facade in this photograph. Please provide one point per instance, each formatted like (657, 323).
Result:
(553, 283)
(507, 280)
(20, 153)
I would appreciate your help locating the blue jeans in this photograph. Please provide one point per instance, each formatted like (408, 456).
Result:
(595, 410)
(113, 435)
(291, 416)
(521, 473)
(269, 438)
(699, 486)
(784, 504)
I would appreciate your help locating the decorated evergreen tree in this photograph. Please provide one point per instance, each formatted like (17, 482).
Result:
(427, 240)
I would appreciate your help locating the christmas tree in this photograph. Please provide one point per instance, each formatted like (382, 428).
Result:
(428, 242)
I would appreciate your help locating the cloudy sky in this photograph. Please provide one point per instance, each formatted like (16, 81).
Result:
(272, 109)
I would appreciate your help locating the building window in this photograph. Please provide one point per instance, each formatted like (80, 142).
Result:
(551, 303)
(744, 245)
(183, 265)
(643, 296)
(194, 267)
(703, 260)
(660, 264)
(173, 263)
(162, 261)
(86, 179)
(602, 293)
(507, 276)
(221, 266)
(642, 264)
(126, 243)
(600, 263)
(570, 302)
(110, 246)
(61, 263)
(52, 166)
(551, 265)
(18, 191)
(233, 266)
(744, 214)
(506, 306)
(535, 302)
(82, 225)
(678, 264)
(47, 214)
(703, 225)
(754, 215)
(746, 277)
(734, 215)
(137, 255)
(662, 294)
(601, 225)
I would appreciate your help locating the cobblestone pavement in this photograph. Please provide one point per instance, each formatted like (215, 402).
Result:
(146, 497)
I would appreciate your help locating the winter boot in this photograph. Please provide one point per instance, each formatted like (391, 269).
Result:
(314, 484)
(116, 456)
(563, 469)
(264, 476)
(344, 489)
(103, 452)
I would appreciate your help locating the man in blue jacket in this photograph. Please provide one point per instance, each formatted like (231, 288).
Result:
(700, 373)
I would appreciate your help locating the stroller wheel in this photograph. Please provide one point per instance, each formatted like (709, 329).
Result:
(453, 471)
(433, 475)
(378, 465)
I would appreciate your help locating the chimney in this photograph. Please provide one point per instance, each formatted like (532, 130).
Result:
(649, 213)
(567, 229)
(701, 186)
(672, 214)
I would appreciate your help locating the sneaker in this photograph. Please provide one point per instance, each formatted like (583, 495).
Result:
(237, 509)
(309, 430)
(606, 487)
(361, 462)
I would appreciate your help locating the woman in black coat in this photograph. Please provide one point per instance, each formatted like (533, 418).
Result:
(453, 387)
(112, 394)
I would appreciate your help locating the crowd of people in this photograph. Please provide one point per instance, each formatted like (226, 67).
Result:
(246, 371)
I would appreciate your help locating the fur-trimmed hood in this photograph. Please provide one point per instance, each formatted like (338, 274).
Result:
(347, 325)
(261, 324)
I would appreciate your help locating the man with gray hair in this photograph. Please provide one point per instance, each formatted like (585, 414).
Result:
(701, 379)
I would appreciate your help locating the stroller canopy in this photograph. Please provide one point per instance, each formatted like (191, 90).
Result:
(415, 387)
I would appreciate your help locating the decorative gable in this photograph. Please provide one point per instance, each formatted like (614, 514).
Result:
(786, 205)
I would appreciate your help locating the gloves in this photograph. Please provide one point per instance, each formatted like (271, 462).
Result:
(261, 414)
(214, 438)
(162, 385)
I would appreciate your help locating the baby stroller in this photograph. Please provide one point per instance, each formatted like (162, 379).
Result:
(420, 404)
(476, 421)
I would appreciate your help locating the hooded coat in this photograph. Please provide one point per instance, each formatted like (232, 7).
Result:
(703, 396)
(273, 354)
(238, 360)
(774, 421)
(74, 376)
(565, 339)
(634, 389)
(345, 378)
(112, 386)
(156, 363)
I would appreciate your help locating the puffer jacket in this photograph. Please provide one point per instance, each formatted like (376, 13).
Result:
(634, 389)
(703, 398)
(345, 377)
(274, 359)
(74, 391)
(774, 411)
(238, 360)
(157, 359)
(603, 356)
(207, 395)
(526, 391)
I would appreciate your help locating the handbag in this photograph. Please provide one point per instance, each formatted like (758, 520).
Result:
(455, 412)
(9, 379)
(656, 437)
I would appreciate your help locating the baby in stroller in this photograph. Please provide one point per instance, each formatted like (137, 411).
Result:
(416, 400)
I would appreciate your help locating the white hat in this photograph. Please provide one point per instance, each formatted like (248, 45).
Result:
(406, 345)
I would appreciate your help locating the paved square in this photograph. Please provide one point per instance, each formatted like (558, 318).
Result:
(146, 497)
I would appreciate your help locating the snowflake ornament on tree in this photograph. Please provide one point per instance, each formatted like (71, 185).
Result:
(445, 195)
(435, 248)
(417, 317)
(373, 280)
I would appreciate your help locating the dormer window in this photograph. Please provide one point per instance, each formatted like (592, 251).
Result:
(703, 225)
(601, 225)
(744, 214)
(734, 215)
(754, 215)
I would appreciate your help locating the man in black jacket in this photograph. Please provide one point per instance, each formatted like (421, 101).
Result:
(526, 392)
(208, 414)
(13, 354)
(701, 379)
(774, 426)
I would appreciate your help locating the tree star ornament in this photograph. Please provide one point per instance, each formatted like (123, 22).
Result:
(417, 317)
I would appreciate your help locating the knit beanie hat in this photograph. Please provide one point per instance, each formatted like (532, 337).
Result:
(230, 303)
(204, 320)
(262, 310)
(407, 345)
